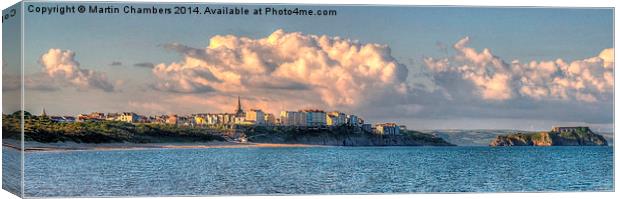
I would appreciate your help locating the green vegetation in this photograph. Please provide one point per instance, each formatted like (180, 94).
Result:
(425, 137)
(536, 136)
(10, 125)
(579, 132)
(340, 136)
(41, 129)
(580, 136)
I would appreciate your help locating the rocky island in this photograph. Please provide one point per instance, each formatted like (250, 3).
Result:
(558, 136)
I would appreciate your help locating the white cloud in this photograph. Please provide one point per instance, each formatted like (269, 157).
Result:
(587, 80)
(336, 71)
(62, 66)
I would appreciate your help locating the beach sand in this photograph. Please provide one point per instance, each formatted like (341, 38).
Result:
(71, 146)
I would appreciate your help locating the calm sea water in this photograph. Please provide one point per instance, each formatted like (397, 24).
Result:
(318, 170)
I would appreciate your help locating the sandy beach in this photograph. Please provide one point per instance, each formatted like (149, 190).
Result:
(72, 146)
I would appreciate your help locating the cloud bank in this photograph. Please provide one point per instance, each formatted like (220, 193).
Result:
(61, 66)
(339, 72)
(293, 70)
(587, 80)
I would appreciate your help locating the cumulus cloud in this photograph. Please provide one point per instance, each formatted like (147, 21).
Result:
(62, 66)
(586, 80)
(338, 71)
(293, 70)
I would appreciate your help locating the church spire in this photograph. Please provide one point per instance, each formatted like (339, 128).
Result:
(43, 113)
(238, 103)
(240, 112)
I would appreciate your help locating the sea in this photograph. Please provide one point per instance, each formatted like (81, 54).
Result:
(315, 170)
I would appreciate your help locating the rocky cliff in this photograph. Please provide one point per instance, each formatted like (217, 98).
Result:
(579, 136)
(345, 137)
(368, 140)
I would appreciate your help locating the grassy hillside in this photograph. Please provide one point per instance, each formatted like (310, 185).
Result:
(581, 137)
(41, 129)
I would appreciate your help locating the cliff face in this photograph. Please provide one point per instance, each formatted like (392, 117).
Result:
(581, 137)
(367, 140)
(342, 137)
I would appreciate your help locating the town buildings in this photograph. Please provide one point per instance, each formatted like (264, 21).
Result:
(172, 119)
(353, 120)
(314, 118)
(292, 118)
(305, 118)
(270, 119)
(387, 129)
(336, 118)
(560, 129)
(255, 116)
(130, 117)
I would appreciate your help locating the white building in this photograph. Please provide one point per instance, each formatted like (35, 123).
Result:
(255, 116)
(336, 118)
(221, 118)
(315, 118)
(200, 119)
(387, 129)
(352, 120)
(270, 119)
(185, 121)
(128, 117)
(112, 116)
(292, 118)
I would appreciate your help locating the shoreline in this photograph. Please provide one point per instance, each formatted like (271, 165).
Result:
(33, 146)
(72, 146)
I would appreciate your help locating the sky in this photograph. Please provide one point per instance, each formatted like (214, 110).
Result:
(426, 67)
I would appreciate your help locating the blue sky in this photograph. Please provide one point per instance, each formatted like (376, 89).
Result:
(412, 34)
